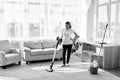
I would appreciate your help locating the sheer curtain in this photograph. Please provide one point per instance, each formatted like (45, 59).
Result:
(26, 19)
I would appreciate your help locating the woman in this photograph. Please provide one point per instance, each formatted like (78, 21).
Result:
(67, 42)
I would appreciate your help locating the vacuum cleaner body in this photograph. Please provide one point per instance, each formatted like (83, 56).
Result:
(59, 41)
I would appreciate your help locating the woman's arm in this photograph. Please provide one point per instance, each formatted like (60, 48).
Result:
(76, 35)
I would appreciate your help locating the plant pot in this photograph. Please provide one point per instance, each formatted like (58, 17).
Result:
(94, 70)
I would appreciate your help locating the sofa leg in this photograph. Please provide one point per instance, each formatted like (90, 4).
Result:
(27, 62)
(19, 63)
(60, 59)
(4, 67)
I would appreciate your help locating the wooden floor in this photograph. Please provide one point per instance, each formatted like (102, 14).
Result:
(115, 72)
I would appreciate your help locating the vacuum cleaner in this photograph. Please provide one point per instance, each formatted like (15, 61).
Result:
(95, 64)
(59, 41)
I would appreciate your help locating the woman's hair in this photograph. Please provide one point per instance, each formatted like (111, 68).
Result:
(67, 22)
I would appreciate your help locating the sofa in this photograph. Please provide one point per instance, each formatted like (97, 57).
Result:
(40, 50)
(8, 55)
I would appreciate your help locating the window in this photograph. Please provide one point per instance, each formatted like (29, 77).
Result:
(102, 20)
(24, 19)
(35, 18)
(11, 29)
(108, 13)
(103, 1)
(116, 22)
(15, 30)
(34, 30)
(13, 19)
(113, 19)
(113, 0)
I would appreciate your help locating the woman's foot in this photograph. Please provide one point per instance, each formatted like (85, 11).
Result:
(67, 64)
(63, 65)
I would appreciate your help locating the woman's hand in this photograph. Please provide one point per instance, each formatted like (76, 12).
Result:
(74, 39)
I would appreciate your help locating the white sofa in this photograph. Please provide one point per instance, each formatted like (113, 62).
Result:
(40, 50)
(8, 55)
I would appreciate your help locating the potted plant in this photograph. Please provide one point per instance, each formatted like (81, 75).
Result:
(94, 67)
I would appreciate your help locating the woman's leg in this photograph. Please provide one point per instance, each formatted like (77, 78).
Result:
(64, 53)
(69, 53)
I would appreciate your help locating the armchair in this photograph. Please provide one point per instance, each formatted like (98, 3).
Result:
(8, 55)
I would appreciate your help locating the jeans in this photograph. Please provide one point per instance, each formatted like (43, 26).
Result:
(66, 48)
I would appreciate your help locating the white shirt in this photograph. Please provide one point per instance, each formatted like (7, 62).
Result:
(67, 34)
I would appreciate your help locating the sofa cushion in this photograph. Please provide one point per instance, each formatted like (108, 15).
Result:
(51, 51)
(36, 52)
(34, 44)
(5, 46)
(49, 43)
(12, 57)
(46, 51)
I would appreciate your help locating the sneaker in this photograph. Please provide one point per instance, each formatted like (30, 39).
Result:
(67, 65)
(63, 65)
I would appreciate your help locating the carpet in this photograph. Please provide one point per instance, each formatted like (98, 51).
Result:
(7, 78)
(71, 68)
(76, 70)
